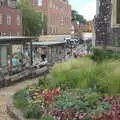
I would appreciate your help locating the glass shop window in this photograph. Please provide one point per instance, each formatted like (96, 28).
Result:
(3, 55)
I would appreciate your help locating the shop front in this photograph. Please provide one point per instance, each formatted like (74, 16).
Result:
(53, 51)
(15, 53)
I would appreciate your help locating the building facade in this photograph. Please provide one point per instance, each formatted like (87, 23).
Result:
(57, 16)
(107, 23)
(10, 18)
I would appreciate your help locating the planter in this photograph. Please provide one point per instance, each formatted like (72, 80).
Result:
(25, 74)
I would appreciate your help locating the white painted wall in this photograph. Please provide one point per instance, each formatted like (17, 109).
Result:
(86, 36)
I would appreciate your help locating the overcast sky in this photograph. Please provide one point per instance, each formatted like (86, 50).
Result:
(87, 8)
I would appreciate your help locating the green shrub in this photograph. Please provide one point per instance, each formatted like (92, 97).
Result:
(84, 73)
(99, 55)
(46, 117)
(20, 100)
(42, 82)
(33, 111)
(70, 74)
(85, 100)
(110, 82)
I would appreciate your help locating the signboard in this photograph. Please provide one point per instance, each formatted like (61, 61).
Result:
(87, 36)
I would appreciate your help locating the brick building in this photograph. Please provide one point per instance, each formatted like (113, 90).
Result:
(10, 18)
(58, 15)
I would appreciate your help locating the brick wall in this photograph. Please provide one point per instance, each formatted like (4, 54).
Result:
(10, 29)
(58, 13)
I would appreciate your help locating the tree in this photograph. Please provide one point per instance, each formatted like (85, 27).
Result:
(74, 13)
(77, 17)
(32, 20)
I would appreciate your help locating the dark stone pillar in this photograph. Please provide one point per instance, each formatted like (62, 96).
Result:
(103, 23)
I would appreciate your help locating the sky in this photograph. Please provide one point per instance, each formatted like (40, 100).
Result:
(87, 8)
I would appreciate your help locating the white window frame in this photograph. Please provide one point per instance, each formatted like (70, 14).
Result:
(18, 33)
(9, 20)
(18, 20)
(50, 4)
(114, 14)
(1, 18)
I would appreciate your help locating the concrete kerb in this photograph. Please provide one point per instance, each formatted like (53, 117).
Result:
(15, 113)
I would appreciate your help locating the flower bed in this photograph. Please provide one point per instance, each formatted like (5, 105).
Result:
(74, 104)
(74, 101)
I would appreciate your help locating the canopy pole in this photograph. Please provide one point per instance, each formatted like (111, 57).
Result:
(64, 52)
(31, 57)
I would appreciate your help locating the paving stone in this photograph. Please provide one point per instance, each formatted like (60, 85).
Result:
(6, 94)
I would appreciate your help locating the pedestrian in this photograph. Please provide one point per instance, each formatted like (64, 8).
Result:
(2, 80)
(43, 55)
(20, 64)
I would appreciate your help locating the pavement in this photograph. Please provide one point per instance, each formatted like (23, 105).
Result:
(7, 92)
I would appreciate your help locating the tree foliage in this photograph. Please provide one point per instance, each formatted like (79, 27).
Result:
(31, 19)
(77, 17)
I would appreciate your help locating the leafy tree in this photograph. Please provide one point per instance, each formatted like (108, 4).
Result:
(77, 17)
(74, 13)
(32, 20)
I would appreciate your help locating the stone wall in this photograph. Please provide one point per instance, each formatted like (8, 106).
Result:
(103, 23)
(116, 36)
(106, 33)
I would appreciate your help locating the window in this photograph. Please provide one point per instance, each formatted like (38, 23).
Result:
(118, 11)
(115, 13)
(40, 2)
(18, 34)
(0, 34)
(10, 33)
(50, 4)
(3, 4)
(1, 18)
(54, 6)
(18, 20)
(9, 20)
(3, 34)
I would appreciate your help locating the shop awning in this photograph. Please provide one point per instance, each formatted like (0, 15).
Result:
(49, 43)
(15, 39)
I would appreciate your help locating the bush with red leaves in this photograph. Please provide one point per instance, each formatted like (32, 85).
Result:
(73, 104)
(114, 112)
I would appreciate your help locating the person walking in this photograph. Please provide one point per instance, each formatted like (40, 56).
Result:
(43, 55)
(2, 80)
